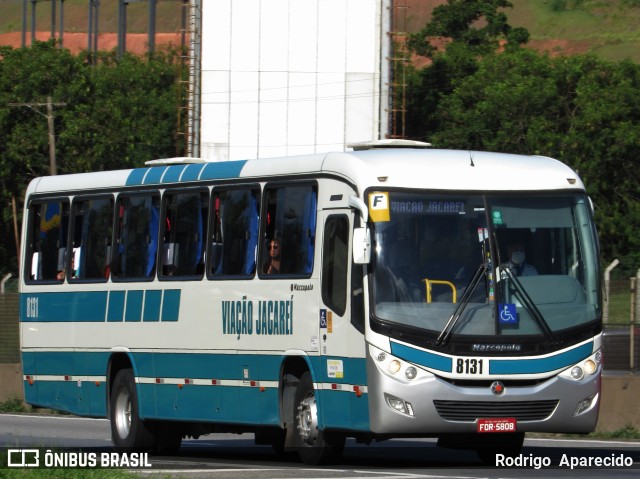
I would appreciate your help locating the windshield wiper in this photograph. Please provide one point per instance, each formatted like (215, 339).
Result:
(464, 301)
(528, 303)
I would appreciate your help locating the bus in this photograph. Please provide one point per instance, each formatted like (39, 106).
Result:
(389, 291)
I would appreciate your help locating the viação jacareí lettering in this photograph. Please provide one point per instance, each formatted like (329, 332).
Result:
(274, 317)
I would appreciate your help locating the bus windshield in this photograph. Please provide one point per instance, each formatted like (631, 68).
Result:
(505, 265)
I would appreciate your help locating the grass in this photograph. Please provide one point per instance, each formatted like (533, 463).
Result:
(609, 29)
(13, 405)
(620, 303)
(627, 432)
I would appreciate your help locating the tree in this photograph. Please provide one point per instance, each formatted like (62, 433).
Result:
(460, 34)
(118, 114)
(580, 110)
(478, 25)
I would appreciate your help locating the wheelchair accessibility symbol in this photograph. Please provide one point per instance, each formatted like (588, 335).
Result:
(508, 313)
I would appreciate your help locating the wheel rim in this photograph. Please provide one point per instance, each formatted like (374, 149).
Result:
(307, 420)
(123, 413)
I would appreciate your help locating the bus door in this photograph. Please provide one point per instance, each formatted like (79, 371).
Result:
(337, 366)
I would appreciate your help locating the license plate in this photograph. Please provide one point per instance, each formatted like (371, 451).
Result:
(498, 424)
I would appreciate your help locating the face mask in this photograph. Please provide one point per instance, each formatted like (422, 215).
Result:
(517, 257)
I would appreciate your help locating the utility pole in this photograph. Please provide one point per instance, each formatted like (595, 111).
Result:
(53, 169)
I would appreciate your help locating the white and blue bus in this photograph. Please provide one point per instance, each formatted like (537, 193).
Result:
(368, 294)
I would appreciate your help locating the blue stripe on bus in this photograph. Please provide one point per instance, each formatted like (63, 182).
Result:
(81, 306)
(191, 172)
(496, 366)
(98, 306)
(152, 301)
(136, 176)
(173, 174)
(116, 306)
(234, 404)
(540, 365)
(222, 170)
(422, 358)
(133, 311)
(181, 173)
(171, 305)
(154, 176)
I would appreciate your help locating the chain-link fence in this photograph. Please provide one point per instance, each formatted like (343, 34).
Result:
(9, 330)
(622, 327)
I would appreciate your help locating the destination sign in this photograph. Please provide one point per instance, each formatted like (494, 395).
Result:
(426, 207)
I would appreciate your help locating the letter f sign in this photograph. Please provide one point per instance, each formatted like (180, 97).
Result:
(379, 206)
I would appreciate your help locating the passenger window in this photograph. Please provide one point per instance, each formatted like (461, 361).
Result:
(234, 232)
(334, 263)
(289, 230)
(183, 231)
(91, 239)
(48, 229)
(137, 221)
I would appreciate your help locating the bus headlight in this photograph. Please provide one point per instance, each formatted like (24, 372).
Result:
(577, 373)
(590, 366)
(396, 368)
(410, 373)
(585, 404)
(399, 405)
(585, 368)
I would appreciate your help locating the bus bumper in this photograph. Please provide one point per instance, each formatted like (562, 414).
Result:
(430, 405)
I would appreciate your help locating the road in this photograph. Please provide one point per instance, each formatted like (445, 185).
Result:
(235, 456)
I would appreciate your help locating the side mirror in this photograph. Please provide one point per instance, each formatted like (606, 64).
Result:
(361, 245)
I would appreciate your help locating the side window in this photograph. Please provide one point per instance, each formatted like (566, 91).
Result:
(289, 230)
(137, 221)
(335, 256)
(48, 229)
(184, 226)
(234, 232)
(92, 222)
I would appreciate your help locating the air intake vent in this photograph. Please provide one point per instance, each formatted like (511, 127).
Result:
(472, 410)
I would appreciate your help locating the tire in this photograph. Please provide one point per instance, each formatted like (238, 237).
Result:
(128, 431)
(313, 445)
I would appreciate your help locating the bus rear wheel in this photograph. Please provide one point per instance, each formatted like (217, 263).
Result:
(314, 445)
(128, 431)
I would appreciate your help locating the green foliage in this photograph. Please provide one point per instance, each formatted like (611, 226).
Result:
(581, 110)
(12, 405)
(116, 113)
(627, 432)
(479, 25)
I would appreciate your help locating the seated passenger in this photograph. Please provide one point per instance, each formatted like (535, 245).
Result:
(272, 266)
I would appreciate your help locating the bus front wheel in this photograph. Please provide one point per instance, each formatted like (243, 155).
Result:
(127, 429)
(314, 445)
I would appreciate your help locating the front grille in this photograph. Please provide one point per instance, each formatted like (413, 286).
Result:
(472, 410)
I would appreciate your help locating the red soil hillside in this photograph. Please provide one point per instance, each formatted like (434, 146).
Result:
(76, 42)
